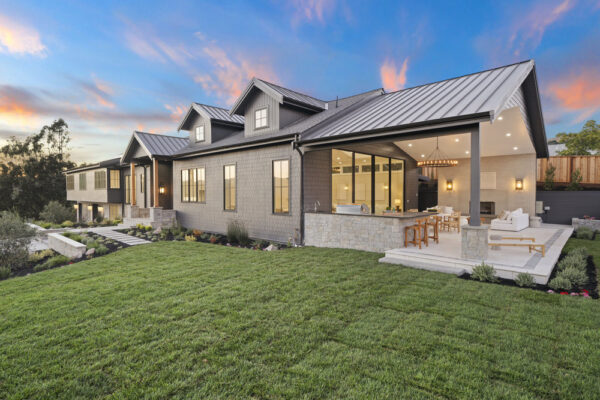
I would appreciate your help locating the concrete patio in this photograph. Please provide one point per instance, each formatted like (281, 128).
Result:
(508, 261)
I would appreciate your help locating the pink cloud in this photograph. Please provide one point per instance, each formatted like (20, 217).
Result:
(312, 10)
(18, 38)
(231, 74)
(391, 78)
(577, 92)
(177, 111)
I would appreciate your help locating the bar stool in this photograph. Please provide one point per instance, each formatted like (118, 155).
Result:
(434, 221)
(419, 231)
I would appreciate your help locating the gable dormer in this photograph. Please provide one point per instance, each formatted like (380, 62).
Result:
(208, 124)
(267, 107)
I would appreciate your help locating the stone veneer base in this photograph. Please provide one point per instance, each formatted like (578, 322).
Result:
(474, 243)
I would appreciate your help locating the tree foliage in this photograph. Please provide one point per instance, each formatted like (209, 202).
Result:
(33, 173)
(583, 143)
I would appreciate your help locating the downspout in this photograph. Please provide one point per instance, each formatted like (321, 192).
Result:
(295, 146)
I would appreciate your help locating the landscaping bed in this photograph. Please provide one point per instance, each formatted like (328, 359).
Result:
(71, 224)
(146, 232)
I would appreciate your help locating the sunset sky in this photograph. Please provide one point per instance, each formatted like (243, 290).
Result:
(109, 68)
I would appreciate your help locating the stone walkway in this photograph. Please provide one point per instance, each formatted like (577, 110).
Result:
(110, 233)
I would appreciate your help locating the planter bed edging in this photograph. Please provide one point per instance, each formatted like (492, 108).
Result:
(66, 246)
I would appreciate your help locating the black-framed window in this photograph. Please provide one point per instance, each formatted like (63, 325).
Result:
(99, 179)
(82, 181)
(193, 185)
(199, 133)
(142, 182)
(261, 118)
(281, 186)
(115, 179)
(127, 189)
(70, 182)
(229, 187)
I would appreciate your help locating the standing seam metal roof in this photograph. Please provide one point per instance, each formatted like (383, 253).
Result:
(482, 92)
(296, 96)
(161, 145)
(221, 114)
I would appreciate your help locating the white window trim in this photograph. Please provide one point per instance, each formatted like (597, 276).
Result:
(266, 125)
(203, 134)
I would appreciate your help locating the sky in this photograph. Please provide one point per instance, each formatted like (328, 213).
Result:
(111, 67)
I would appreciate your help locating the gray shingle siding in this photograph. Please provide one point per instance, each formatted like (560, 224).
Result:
(254, 193)
(258, 101)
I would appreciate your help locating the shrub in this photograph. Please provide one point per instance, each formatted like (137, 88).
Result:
(57, 213)
(148, 228)
(549, 177)
(15, 237)
(213, 239)
(4, 273)
(180, 236)
(237, 232)
(525, 280)
(190, 238)
(484, 273)
(45, 225)
(99, 218)
(92, 244)
(197, 232)
(584, 232)
(573, 261)
(259, 244)
(67, 224)
(73, 236)
(101, 250)
(131, 233)
(560, 283)
(577, 277)
(576, 179)
(52, 262)
(204, 236)
(40, 255)
(579, 251)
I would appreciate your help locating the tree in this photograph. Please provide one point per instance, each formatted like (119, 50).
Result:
(576, 179)
(34, 172)
(549, 177)
(583, 143)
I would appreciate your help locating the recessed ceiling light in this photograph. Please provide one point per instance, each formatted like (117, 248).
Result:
(457, 140)
(508, 134)
(500, 118)
(515, 148)
(338, 158)
(339, 162)
(364, 160)
(410, 145)
(467, 152)
(422, 155)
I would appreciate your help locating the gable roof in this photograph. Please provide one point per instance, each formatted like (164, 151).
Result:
(478, 95)
(211, 112)
(280, 94)
(154, 145)
(113, 162)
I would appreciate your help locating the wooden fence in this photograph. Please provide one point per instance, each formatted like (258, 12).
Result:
(588, 166)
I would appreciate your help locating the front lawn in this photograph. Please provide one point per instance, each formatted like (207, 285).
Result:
(194, 320)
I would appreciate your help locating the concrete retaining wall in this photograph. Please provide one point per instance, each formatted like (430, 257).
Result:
(66, 246)
(590, 223)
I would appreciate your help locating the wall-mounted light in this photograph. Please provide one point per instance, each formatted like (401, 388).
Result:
(101, 210)
(386, 187)
(345, 187)
(518, 184)
(449, 185)
(162, 189)
(89, 208)
(76, 206)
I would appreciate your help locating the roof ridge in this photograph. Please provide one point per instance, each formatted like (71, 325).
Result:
(210, 105)
(460, 76)
(291, 90)
(162, 134)
(355, 95)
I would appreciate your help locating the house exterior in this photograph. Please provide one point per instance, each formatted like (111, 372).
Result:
(291, 166)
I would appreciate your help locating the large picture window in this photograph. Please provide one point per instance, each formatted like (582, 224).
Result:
(229, 187)
(363, 179)
(82, 181)
(281, 186)
(100, 180)
(193, 185)
(70, 182)
(260, 118)
(115, 179)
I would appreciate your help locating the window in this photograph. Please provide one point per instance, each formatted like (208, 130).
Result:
(200, 133)
(229, 194)
(260, 118)
(142, 182)
(100, 180)
(114, 211)
(70, 182)
(127, 189)
(115, 179)
(193, 186)
(82, 182)
(281, 186)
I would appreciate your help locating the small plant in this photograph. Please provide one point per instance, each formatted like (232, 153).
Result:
(131, 233)
(549, 177)
(99, 218)
(73, 236)
(204, 236)
(101, 250)
(197, 232)
(190, 238)
(579, 251)
(4, 273)
(92, 244)
(584, 232)
(67, 224)
(576, 261)
(576, 179)
(40, 255)
(213, 239)
(57, 213)
(484, 273)
(45, 225)
(577, 277)
(180, 236)
(237, 232)
(148, 228)
(15, 237)
(52, 262)
(560, 283)
(525, 280)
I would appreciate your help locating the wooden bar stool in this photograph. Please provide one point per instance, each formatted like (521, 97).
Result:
(434, 222)
(419, 231)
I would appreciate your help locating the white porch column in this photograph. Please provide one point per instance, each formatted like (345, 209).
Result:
(474, 211)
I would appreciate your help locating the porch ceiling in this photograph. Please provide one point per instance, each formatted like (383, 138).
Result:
(505, 136)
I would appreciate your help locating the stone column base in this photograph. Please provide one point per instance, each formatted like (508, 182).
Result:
(474, 242)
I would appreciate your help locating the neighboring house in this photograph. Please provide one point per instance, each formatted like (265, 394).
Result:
(554, 147)
(288, 164)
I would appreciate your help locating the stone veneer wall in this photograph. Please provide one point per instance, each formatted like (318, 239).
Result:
(359, 232)
(590, 223)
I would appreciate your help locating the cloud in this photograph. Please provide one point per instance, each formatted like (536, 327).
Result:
(100, 91)
(230, 74)
(311, 10)
(391, 78)
(177, 111)
(18, 38)
(577, 92)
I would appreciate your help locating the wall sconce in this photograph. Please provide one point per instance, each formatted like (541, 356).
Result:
(89, 208)
(518, 184)
(100, 210)
(162, 189)
(449, 185)
(386, 187)
(345, 187)
(76, 206)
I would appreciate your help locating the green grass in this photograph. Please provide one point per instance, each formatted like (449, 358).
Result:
(193, 320)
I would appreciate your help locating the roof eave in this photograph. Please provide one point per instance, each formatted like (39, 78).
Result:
(235, 109)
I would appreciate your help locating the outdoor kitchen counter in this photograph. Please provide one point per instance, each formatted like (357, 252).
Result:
(358, 231)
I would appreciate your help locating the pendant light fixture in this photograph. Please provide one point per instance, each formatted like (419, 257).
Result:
(437, 158)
